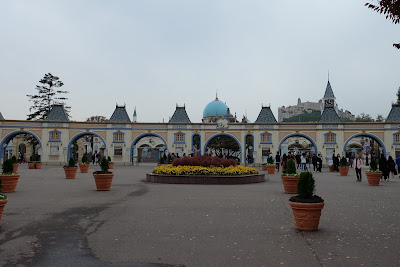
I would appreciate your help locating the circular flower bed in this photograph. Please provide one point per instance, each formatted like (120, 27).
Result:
(204, 175)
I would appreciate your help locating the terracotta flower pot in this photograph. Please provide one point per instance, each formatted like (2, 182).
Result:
(344, 170)
(15, 167)
(331, 168)
(3, 203)
(84, 168)
(264, 167)
(270, 169)
(70, 172)
(111, 165)
(9, 182)
(31, 165)
(290, 184)
(103, 181)
(373, 177)
(306, 215)
(38, 165)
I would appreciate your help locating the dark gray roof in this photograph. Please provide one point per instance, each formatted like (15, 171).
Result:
(180, 115)
(120, 115)
(394, 114)
(328, 91)
(57, 113)
(266, 115)
(1, 116)
(329, 115)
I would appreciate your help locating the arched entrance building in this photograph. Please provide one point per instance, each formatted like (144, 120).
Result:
(128, 142)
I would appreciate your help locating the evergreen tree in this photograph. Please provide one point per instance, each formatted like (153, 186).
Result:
(398, 96)
(46, 97)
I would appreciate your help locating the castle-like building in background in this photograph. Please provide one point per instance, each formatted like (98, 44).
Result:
(312, 111)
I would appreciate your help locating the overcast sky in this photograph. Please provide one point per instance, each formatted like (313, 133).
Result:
(154, 54)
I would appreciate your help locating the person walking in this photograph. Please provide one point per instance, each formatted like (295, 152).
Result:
(284, 163)
(277, 160)
(357, 165)
(298, 159)
(398, 164)
(314, 161)
(383, 168)
(319, 163)
(391, 167)
(303, 160)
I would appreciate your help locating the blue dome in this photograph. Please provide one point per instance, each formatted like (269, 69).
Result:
(215, 107)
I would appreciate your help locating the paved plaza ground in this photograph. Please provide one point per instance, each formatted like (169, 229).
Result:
(52, 221)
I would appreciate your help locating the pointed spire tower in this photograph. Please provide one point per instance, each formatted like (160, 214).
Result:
(134, 116)
(329, 106)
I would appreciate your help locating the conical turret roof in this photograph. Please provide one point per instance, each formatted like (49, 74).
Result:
(330, 115)
(266, 115)
(180, 115)
(394, 114)
(120, 115)
(57, 113)
(329, 91)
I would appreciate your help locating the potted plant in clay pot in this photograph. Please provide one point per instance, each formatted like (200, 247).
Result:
(71, 169)
(84, 166)
(103, 178)
(38, 163)
(15, 164)
(270, 166)
(31, 164)
(306, 206)
(290, 178)
(3, 201)
(343, 166)
(8, 178)
(373, 175)
(110, 163)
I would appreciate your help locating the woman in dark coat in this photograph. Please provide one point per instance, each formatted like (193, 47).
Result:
(383, 168)
(391, 167)
(284, 163)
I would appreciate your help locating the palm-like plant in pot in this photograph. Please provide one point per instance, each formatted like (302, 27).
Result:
(343, 166)
(290, 178)
(71, 169)
(15, 164)
(306, 206)
(8, 178)
(38, 163)
(3, 201)
(373, 174)
(84, 166)
(270, 165)
(104, 177)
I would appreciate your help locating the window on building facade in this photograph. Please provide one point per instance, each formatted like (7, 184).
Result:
(266, 138)
(179, 137)
(397, 138)
(118, 137)
(54, 136)
(118, 151)
(330, 138)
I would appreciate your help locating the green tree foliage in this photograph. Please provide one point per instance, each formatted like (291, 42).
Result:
(71, 162)
(8, 166)
(398, 96)
(314, 115)
(291, 167)
(97, 118)
(104, 164)
(390, 8)
(343, 162)
(306, 185)
(364, 118)
(47, 96)
(380, 118)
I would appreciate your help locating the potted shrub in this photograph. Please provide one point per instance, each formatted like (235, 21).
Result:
(38, 163)
(161, 161)
(8, 178)
(3, 202)
(31, 164)
(270, 166)
(84, 166)
(373, 175)
(71, 169)
(15, 164)
(343, 166)
(104, 177)
(290, 178)
(110, 163)
(306, 206)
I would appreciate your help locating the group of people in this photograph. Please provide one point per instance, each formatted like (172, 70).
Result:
(386, 166)
(301, 161)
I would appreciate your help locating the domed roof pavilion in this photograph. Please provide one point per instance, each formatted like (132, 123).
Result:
(215, 108)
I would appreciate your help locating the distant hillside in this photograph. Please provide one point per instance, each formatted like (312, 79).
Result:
(315, 115)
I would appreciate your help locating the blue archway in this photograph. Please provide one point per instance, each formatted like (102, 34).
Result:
(199, 148)
(79, 135)
(245, 143)
(222, 134)
(376, 138)
(10, 136)
(301, 135)
(144, 135)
